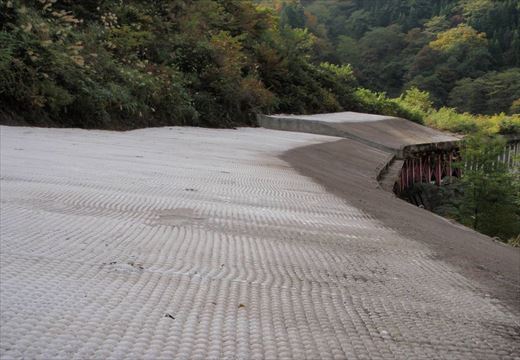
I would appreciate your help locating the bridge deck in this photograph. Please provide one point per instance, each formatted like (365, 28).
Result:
(197, 243)
(386, 133)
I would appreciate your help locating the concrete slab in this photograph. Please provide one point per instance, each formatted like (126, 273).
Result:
(386, 133)
(197, 243)
(338, 117)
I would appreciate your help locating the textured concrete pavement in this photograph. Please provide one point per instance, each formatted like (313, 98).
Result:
(197, 243)
(386, 133)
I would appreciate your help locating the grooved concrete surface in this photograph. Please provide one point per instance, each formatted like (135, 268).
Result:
(337, 117)
(376, 130)
(197, 243)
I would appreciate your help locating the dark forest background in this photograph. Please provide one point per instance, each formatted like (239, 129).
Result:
(465, 53)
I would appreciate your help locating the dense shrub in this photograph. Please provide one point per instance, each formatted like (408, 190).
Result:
(107, 64)
(509, 125)
(379, 103)
(449, 119)
(214, 63)
(489, 94)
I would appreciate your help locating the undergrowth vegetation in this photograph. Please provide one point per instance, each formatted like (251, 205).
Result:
(418, 104)
(106, 64)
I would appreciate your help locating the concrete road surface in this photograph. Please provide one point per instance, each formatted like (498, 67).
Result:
(192, 243)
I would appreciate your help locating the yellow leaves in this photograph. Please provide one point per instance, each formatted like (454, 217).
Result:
(141, 64)
(38, 101)
(492, 124)
(43, 28)
(75, 56)
(462, 35)
(415, 99)
(27, 27)
(76, 47)
(344, 72)
(32, 55)
(47, 4)
(476, 7)
(110, 45)
(78, 60)
(66, 16)
(449, 119)
(109, 20)
(229, 53)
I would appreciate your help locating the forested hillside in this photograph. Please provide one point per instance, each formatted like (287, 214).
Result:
(115, 64)
(465, 53)
(126, 64)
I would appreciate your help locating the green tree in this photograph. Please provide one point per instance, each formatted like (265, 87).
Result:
(292, 15)
(348, 51)
(456, 53)
(416, 99)
(444, 41)
(380, 52)
(492, 93)
(491, 192)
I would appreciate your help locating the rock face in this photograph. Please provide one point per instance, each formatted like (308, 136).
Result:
(198, 243)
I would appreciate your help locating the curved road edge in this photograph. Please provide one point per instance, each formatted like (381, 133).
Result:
(349, 169)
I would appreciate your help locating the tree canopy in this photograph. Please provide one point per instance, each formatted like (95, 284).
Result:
(111, 64)
(394, 45)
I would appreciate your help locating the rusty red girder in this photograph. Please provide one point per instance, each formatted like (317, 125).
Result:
(435, 165)
(428, 167)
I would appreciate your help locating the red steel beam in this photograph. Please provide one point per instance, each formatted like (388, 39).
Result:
(438, 170)
(420, 170)
(413, 171)
(429, 169)
(450, 157)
